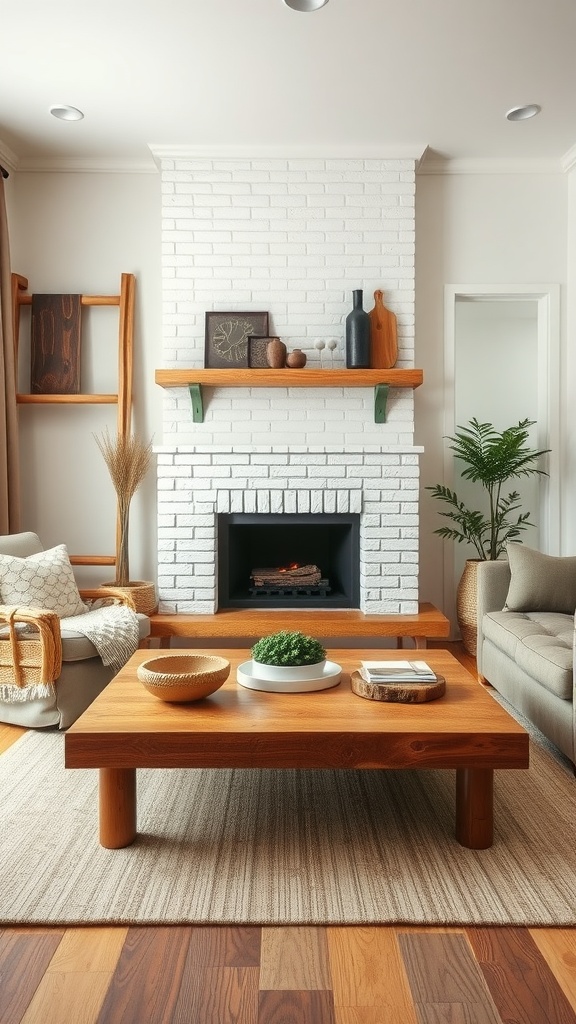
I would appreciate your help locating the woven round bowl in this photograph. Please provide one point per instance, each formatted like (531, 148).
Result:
(180, 678)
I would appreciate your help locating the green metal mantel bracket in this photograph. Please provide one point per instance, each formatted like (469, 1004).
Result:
(380, 400)
(196, 400)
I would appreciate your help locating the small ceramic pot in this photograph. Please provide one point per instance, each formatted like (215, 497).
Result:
(276, 353)
(296, 359)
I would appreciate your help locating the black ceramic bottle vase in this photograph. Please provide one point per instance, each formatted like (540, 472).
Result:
(357, 335)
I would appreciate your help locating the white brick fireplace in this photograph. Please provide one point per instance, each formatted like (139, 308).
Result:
(293, 237)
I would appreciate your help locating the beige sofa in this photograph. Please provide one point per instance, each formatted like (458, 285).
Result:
(526, 638)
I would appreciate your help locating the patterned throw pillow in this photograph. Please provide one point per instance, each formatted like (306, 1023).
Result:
(44, 580)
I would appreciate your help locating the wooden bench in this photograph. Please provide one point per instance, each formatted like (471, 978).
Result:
(232, 623)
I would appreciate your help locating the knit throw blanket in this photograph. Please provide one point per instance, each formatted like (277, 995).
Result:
(113, 629)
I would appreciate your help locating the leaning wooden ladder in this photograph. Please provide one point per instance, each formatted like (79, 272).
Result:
(123, 398)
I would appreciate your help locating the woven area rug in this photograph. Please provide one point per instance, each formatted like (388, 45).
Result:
(297, 847)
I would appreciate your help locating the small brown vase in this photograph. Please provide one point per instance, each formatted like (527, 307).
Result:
(276, 353)
(296, 359)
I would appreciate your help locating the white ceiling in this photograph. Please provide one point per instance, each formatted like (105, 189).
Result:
(358, 76)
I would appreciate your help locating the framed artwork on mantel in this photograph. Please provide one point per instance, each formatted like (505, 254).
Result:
(227, 338)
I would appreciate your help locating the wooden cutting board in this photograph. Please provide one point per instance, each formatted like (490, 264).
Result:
(383, 335)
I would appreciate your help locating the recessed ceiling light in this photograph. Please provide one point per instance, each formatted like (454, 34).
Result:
(305, 5)
(66, 113)
(521, 113)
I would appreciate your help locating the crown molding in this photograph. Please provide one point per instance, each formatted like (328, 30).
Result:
(86, 165)
(569, 160)
(8, 157)
(438, 165)
(423, 158)
(315, 151)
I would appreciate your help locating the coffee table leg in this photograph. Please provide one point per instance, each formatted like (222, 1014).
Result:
(475, 807)
(117, 798)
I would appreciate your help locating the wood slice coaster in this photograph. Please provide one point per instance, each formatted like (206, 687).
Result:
(398, 693)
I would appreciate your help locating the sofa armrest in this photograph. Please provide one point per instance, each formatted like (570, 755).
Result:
(492, 582)
(32, 655)
(574, 681)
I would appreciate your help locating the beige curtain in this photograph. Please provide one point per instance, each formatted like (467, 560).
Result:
(9, 459)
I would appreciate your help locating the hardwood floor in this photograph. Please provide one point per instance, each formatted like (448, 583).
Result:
(287, 975)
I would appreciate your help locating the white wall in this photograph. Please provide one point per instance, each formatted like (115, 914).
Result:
(82, 230)
(496, 361)
(474, 229)
(78, 233)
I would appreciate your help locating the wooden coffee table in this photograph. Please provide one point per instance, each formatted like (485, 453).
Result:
(127, 728)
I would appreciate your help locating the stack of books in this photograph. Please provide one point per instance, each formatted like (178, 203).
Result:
(397, 672)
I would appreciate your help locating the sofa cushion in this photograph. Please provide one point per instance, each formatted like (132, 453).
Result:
(540, 583)
(76, 647)
(43, 580)
(541, 643)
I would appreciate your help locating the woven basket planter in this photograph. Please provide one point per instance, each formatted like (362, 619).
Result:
(142, 593)
(466, 605)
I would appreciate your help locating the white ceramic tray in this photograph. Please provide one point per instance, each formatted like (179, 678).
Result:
(330, 677)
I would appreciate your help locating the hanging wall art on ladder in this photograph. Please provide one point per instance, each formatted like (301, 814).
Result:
(55, 344)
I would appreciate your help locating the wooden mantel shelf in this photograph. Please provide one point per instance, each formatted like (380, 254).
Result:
(289, 378)
(380, 380)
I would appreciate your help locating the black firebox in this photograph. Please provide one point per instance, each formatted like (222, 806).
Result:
(326, 542)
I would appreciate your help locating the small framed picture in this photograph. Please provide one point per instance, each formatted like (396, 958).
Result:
(227, 338)
(257, 353)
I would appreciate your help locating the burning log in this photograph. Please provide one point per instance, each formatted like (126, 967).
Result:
(297, 575)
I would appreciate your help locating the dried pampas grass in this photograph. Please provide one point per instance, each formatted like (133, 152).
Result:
(128, 460)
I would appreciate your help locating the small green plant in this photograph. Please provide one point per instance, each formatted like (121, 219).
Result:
(285, 648)
(491, 458)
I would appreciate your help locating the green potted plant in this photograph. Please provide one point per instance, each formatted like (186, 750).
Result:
(288, 656)
(490, 458)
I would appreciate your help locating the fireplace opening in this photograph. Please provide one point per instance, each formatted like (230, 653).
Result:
(288, 561)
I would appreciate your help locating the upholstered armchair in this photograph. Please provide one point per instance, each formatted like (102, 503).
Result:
(55, 660)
